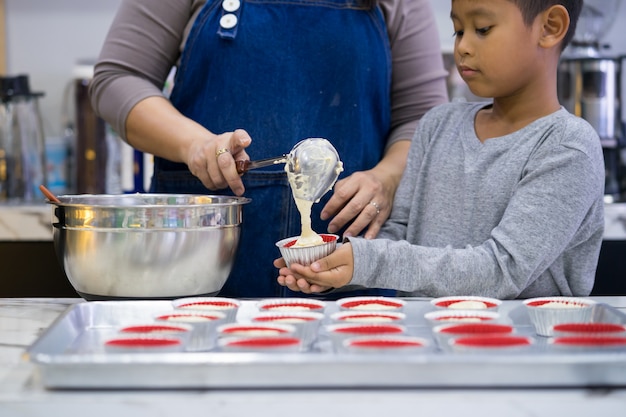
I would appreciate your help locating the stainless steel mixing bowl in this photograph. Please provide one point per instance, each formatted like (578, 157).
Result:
(146, 245)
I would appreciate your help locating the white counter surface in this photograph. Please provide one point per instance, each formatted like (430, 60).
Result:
(21, 393)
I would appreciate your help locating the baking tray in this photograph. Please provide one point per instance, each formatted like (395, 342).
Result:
(70, 355)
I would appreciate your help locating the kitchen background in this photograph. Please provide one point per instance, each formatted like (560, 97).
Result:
(47, 38)
(50, 40)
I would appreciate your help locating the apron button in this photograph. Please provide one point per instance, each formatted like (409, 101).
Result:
(228, 21)
(231, 5)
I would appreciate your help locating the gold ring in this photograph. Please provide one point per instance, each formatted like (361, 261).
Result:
(221, 151)
(376, 206)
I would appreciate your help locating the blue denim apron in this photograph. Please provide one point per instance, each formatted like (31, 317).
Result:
(284, 71)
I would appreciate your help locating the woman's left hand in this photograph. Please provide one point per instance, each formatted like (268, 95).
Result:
(365, 197)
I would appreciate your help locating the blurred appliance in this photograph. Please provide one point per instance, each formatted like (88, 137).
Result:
(22, 148)
(103, 162)
(90, 130)
(590, 86)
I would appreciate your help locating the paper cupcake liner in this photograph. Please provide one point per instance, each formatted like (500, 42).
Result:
(227, 306)
(386, 345)
(282, 344)
(444, 333)
(256, 330)
(306, 255)
(590, 342)
(178, 330)
(445, 316)
(306, 323)
(589, 329)
(204, 324)
(368, 317)
(291, 305)
(466, 302)
(372, 303)
(566, 310)
(490, 344)
(338, 333)
(144, 344)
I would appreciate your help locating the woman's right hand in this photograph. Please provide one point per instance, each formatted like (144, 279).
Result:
(212, 159)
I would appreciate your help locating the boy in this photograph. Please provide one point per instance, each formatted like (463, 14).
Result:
(502, 200)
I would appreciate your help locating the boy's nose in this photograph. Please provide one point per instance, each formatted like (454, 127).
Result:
(462, 46)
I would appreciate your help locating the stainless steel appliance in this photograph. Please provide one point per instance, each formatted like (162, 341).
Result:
(590, 85)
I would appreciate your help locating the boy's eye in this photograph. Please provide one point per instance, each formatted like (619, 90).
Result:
(457, 33)
(483, 31)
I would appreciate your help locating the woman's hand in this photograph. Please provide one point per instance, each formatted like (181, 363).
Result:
(212, 160)
(333, 271)
(365, 197)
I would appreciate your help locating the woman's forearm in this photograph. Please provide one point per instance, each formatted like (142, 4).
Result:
(156, 127)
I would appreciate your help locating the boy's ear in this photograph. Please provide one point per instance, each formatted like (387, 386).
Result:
(555, 23)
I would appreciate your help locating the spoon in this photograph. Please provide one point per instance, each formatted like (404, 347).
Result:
(246, 165)
(48, 194)
(313, 167)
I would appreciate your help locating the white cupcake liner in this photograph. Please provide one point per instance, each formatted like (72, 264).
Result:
(227, 306)
(281, 344)
(256, 330)
(491, 344)
(595, 329)
(306, 323)
(339, 332)
(204, 324)
(306, 255)
(544, 318)
(589, 343)
(368, 317)
(445, 316)
(445, 332)
(280, 305)
(178, 330)
(371, 303)
(490, 304)
(386, 345)
(144, 344)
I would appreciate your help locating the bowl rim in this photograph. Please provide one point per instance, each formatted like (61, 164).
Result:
(230, 200)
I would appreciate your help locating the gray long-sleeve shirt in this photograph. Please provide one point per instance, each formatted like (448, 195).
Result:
(517, 216)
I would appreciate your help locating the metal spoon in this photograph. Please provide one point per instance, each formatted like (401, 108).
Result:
(247, 165)
(313, 167)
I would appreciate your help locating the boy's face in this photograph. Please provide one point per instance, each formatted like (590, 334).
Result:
(495, 52)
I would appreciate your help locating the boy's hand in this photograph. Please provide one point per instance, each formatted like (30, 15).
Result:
(333, 271)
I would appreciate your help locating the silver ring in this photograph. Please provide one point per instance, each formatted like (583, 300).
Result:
(376, 206)
(221, 151)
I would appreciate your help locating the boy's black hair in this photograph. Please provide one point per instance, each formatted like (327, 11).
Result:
(531, 8)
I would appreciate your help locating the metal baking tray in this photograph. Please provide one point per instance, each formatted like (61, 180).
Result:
(70, 355)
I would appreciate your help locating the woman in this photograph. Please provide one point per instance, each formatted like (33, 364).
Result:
(359, 73)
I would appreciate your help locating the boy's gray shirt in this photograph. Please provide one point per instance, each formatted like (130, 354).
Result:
(517, 216)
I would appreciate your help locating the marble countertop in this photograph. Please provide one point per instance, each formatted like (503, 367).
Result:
(22, 394)
(25, 222)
